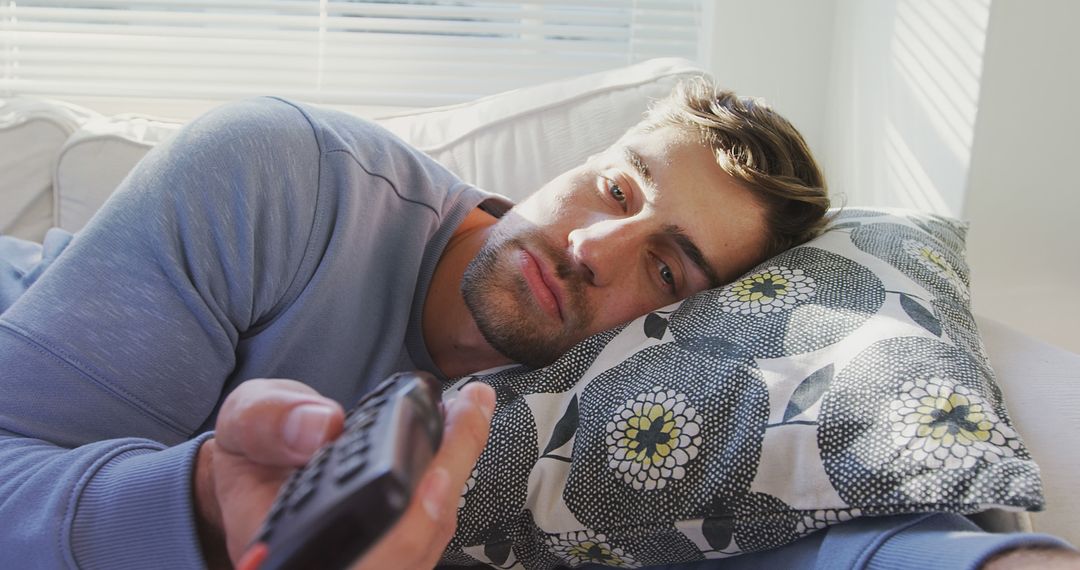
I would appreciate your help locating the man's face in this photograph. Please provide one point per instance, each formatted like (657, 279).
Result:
(650, 221)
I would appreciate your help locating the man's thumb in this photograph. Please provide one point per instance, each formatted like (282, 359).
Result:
(277, 422)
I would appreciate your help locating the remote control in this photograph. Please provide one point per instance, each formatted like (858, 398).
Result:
(354, 488)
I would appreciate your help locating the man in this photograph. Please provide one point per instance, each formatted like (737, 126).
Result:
(316, 254)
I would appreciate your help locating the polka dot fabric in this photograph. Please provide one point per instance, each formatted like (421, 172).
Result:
(840, 379)
(800, 301)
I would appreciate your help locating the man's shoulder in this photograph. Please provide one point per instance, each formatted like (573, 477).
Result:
(340, 131)
(362, 155)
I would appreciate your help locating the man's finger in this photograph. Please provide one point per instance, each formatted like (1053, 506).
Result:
(277, 422)
(468, 422)
(418, 539)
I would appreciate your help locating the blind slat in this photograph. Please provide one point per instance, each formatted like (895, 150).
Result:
(389, 46)
(409, 52)
(343, 59)
(242, 23)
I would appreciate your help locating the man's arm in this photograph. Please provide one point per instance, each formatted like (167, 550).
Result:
(56, 504)
(119, 353)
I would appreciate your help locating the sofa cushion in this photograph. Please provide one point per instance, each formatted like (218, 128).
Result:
(510, 143)
(514, 142)
(97, 157)
(32, 131)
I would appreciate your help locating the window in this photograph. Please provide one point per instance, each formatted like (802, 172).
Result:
(396, 53)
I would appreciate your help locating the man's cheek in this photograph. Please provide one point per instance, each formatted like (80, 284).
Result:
(624, 309)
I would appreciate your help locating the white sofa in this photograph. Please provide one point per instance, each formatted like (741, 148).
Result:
(59, 162)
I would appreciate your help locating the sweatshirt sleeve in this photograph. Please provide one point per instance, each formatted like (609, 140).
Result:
(118, 355)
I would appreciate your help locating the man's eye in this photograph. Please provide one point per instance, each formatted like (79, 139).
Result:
(617, 193)
(666, 275)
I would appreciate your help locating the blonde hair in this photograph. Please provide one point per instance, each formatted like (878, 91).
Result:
(756, 146)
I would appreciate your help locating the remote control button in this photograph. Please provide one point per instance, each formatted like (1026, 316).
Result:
(359, 422)
(316, 462)
(290, 483)
(275, 512)
(348, 468)
(385, 386)
(265, 534)
(309, 477)
(375, 402)
(304, 492)
(353, 448)
(351, 435)
(271, 519)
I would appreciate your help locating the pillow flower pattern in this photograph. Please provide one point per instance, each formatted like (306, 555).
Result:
(946, 426)
(842, 378)
(776, 288)
(652, 437)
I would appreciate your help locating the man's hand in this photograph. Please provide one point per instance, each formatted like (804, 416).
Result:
(267, 428)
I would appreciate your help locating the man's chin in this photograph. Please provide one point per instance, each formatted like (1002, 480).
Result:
(528, 351)
(518, 338)
(500, 308)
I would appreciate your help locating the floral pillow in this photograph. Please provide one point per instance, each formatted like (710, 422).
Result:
(842, 378)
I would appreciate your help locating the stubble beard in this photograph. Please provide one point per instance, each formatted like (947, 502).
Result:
(501, 303)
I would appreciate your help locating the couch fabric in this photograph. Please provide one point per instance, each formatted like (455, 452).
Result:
(32, 132)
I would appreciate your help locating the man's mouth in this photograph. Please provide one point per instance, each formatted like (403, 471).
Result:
(543, 283)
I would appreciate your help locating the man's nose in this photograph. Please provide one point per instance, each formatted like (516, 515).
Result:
(606, 249)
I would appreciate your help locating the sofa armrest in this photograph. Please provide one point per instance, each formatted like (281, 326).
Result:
(1041, 385)
(31, 133)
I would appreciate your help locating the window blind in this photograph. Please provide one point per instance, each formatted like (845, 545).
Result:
(400, 53)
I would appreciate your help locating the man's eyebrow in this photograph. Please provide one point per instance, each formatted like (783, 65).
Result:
(639, 165)
(692, 251)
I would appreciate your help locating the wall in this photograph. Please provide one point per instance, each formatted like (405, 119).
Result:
(1023, 199)
(960, 107)
(885, 92)
(778, 50)
(903, 96)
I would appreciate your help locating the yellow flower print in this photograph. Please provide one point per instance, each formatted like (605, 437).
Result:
(774, 289)
(943, 424)
(652, 437)
(933, 260)
(588, 547)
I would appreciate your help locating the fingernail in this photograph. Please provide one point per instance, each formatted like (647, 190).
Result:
(433, 495)
(305, 428)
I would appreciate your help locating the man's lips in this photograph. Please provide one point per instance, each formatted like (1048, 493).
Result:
(543, 284)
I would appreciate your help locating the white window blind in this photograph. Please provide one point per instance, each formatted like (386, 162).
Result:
(400, 53)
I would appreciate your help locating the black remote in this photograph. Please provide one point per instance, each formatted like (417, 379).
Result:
(353, 489)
